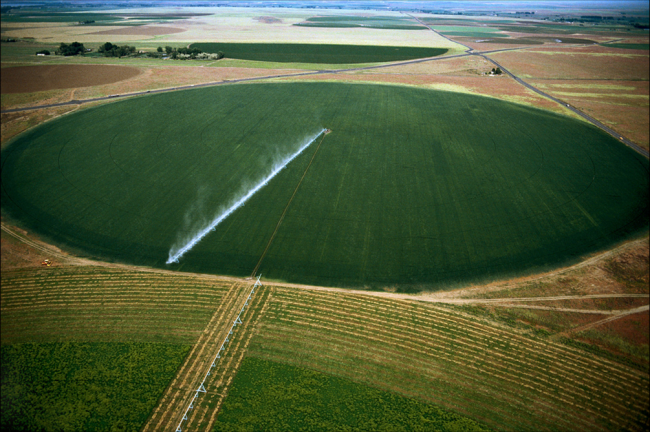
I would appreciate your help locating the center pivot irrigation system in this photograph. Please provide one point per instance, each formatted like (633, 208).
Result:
(175, 255)
(201, 388)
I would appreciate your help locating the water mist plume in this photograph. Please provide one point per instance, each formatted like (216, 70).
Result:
(176, 253)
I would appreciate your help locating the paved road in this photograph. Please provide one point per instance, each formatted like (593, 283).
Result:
(587, 117)
(468, 52)
(216, 83)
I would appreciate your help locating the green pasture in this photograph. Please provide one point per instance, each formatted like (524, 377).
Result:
(84, 386)
(632, 46)
(267, 395)
(416, 189)
(375, 22)
(318, 53)
(482, 32)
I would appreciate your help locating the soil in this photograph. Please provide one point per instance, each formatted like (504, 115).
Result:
(269, 20)
(28, 79)
(140, 31)
(591, 62)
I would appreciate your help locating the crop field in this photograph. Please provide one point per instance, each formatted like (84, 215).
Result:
(92, 304)
(365, 213)
(377, 22)
(321, 53)
(94, 348)
(494, 374)
(72, 386)
(433, 255)
(629, 46)
(29, 79)
(320, 402)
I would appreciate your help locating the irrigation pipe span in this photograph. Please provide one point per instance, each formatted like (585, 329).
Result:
(201, 388)
(174, 256)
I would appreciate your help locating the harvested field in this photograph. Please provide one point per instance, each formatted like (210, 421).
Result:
(624, 270)
(575, 63)
(28, 79)
(622, 105)
(269, 20)
(139, 31)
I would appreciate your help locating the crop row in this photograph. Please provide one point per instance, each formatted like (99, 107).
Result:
(423, 314)
(203, 416)
(182, 389)
(502, 363)
(39, 305)
(444, 357)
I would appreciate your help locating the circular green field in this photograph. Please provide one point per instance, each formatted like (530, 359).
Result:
(412, 188)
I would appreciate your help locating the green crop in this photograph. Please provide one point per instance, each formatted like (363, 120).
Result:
(413, 188)
(270, 396)
(318, 53)
(84, 386)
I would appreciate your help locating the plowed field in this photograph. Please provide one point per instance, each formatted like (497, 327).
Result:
(28, 79)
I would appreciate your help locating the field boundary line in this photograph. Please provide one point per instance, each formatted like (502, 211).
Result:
(169, 396)
(407, 341)
(201, 388)
(268, 245)
(621, 314)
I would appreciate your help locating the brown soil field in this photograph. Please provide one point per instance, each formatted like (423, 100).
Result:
(28, 79)
(633, 328)
(576, 63)
(603, 304)
(149, 78)
(461, 66)
(268, 20)
(622, 105)
(139, 31)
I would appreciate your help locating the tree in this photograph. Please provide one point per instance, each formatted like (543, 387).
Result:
(168, 49)
(44, 52)
(107, 47)
(159, 49)
(69, 50)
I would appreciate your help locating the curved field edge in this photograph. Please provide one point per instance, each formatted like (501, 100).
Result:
(318, 53)
(491, 373)
(84, 386)
(267, 395)
(344, 165)
(437, 355)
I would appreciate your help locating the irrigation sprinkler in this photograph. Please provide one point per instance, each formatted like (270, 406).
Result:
(201, 388)
(176, 254)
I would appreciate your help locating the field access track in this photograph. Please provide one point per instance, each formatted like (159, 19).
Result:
(494, 374)
(180, 393)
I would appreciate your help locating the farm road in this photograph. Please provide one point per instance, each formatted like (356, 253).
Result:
(470, 51)
(441, 297)
(622, 314)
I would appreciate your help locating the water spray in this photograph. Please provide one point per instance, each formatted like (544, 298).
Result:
(175, 256)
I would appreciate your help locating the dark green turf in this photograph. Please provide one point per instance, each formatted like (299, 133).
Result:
(318, 53)
(412, 188)
(84, 386)
(270, 396)
(632, 46)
